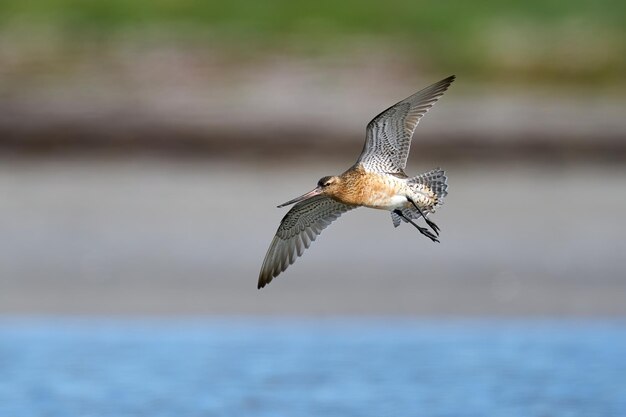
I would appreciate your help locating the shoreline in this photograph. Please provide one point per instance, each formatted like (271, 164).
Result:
(150, 237)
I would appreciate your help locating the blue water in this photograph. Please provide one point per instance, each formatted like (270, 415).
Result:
(306, 367)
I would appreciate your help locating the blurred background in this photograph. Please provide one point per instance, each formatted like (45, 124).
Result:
(144, 146)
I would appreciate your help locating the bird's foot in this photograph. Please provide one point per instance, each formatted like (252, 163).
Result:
(432, 225)
(422, 230)
(428, 234)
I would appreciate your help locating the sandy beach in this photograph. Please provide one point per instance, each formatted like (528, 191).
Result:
(153, 236)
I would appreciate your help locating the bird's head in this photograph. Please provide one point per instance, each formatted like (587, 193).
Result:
(325, 186)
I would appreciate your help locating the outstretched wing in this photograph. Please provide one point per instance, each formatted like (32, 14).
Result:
(388, 136)
(297, 230)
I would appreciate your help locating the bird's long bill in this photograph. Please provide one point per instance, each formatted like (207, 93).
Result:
(313, 192)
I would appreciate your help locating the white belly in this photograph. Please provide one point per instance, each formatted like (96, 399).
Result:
(391, 203)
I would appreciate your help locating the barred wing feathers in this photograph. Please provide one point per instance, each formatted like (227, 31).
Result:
(388, 135)
(300, 226)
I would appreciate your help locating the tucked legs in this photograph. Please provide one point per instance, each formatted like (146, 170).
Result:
(430, 223)
(422, 230)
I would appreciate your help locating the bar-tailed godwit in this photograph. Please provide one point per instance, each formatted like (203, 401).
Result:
(377, 180)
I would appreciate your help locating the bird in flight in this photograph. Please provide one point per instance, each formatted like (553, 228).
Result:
(377, 180)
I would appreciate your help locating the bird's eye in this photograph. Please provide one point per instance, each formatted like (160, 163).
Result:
(325, 182)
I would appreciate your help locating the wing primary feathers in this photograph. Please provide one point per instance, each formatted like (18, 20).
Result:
(298, 229)
(388, 135)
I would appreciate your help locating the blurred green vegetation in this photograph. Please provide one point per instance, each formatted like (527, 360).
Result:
(576, 40)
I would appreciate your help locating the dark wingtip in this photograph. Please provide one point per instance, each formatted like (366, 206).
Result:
(263, 282)
(442, 86)
(449, 80)
(446, 81)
